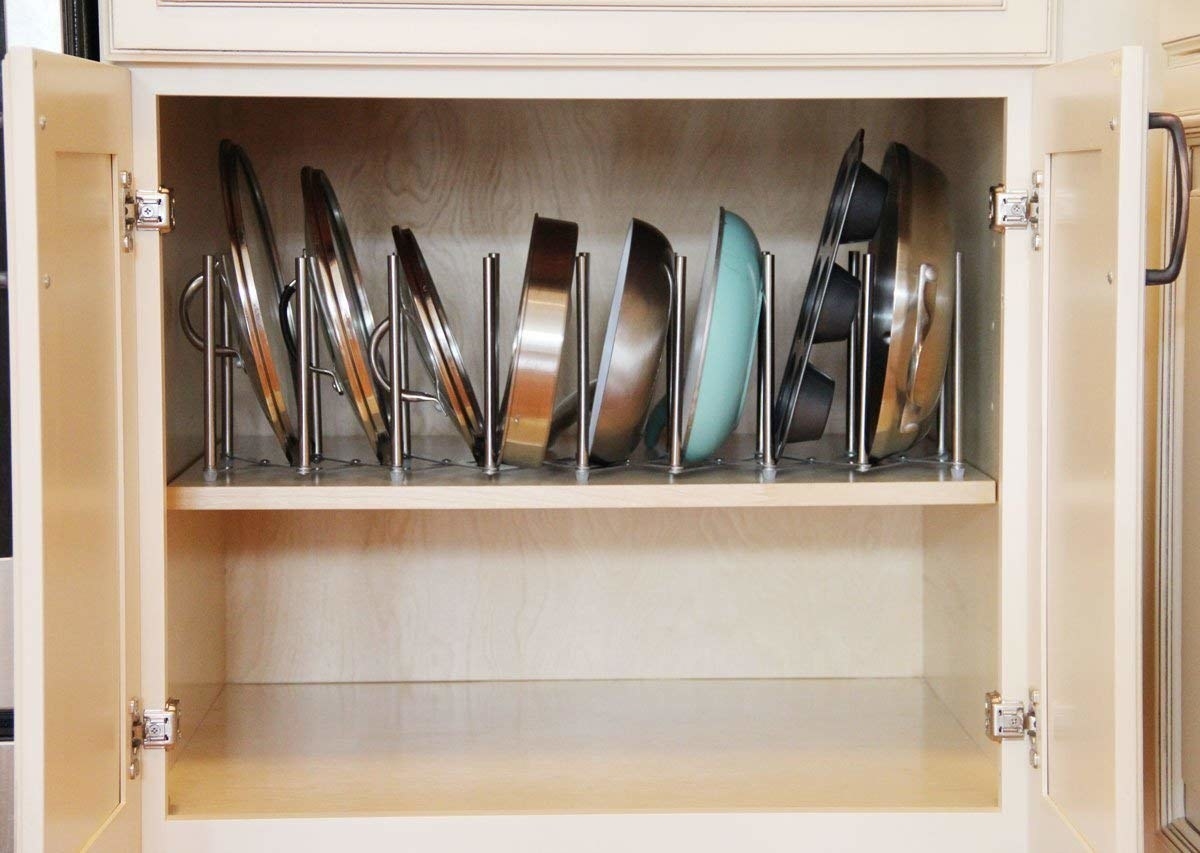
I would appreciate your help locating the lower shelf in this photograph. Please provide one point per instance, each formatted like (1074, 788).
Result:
(290, 750)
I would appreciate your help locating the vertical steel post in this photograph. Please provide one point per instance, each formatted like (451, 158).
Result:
(398, 409)
(862, 455)
(675, 365)
(491, 381)
(767, 335)
(314, 378)
(304, 348)
(210, 366)
(226, 384)
(853, 368)
(956, 444)
(583, 274)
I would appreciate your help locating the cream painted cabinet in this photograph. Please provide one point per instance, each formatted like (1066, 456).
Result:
(709, 664)
(557, 32)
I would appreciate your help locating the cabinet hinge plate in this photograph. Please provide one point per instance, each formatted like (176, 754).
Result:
(145, 210)
(1014, 719)
(1016, 209)
(152, 728)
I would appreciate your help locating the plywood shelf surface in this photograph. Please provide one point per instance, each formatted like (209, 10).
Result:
(733, 484)
(579, 746)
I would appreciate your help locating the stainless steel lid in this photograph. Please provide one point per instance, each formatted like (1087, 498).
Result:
(435, 342)
(343, 302)
(254, 292)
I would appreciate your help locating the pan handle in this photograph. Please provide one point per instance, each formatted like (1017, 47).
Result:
(1183, 186)
(379, 368)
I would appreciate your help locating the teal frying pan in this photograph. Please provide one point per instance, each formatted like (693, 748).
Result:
(719, 366)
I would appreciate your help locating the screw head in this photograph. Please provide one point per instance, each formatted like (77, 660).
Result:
(46, 281)
(42, 122)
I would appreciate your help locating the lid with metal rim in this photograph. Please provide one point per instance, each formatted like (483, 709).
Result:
(344, 306)
(436, 344)
(256, 280)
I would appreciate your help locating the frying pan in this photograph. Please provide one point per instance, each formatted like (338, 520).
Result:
(633, 344)
(910, 329)
(528, 404)
(723, 344)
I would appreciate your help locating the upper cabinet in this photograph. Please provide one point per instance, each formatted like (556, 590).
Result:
(582, 32)
(1180, 26)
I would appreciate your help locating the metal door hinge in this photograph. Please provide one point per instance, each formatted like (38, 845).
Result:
(145, 210)
(1016, 209)
(1012, 719)
(153, 728)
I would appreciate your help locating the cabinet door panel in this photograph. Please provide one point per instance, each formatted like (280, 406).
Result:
(1090, 141)
(67, 134)
(557, 32)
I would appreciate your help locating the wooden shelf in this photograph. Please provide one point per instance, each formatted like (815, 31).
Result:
(579, 746)
(342, 486)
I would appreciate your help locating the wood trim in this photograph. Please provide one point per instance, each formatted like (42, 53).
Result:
(613, 33)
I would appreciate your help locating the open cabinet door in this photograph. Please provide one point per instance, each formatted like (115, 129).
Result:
(1090, 127)
(68, 134)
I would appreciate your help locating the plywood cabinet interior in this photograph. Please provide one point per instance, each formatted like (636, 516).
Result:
(563, 648)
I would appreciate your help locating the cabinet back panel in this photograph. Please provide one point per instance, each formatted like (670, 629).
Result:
(427, 596)
(468, 176)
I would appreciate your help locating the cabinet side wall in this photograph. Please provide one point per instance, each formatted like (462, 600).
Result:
(195, 630)
(965, 139)
(191, 130)
(962, 611)
(430, 596)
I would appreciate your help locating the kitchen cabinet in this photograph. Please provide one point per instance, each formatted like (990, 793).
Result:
(711, 662)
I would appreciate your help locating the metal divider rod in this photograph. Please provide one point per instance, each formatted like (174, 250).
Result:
(400, 329)
(226, 384)
(210, 366)
(314, 344)
(583, 275)
(398, 411)
(761, 436)
(767, 337)
(304, 349)
(852, 369)
(491, 387)
(675, 364)
(956, 448)
(862, 455)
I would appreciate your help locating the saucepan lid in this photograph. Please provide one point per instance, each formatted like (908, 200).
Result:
(343, 303)
(254, 291)
(436, 343)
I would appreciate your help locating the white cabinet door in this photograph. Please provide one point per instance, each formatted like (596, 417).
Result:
(67, 136)
(1090, 129)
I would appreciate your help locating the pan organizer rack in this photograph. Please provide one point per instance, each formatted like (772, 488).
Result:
(220, 357)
